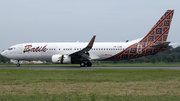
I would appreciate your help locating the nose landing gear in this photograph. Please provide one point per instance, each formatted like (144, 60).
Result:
(18, 64)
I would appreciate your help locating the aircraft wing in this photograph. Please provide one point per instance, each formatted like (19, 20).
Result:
(84, 52)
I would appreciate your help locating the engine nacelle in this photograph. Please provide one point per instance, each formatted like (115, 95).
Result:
(61, 59)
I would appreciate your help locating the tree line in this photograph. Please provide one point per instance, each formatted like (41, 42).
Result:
(169, 55)
(4, 60)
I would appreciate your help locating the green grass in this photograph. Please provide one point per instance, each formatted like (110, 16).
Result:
(92, 85)
(103, 64)
(138, 64)
(91, 97)
(12, 76)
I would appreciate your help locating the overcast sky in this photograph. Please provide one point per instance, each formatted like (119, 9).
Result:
(24, 21)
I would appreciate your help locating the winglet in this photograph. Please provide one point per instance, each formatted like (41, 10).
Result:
(90, 45)
(86, 49)
(91, 42)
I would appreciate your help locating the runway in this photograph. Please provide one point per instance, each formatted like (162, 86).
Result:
(87, 68)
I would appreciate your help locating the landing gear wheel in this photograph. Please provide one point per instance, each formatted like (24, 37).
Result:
(82, 64)
(89, 64)
(18, 64)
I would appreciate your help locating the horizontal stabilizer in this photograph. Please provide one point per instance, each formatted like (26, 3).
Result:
(161, 45)
(172, 44)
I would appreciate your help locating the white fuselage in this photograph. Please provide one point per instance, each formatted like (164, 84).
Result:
(45, 51)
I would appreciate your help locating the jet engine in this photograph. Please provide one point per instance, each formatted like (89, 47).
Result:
(60, 59)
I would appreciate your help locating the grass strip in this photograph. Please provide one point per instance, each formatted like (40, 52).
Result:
(92, 85)
(90, 97)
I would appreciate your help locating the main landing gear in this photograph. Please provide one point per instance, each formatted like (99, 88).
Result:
(18, 64)
(83, 64)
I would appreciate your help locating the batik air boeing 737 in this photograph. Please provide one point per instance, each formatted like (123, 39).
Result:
(84, 53)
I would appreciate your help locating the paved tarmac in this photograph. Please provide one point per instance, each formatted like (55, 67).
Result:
(87, 68)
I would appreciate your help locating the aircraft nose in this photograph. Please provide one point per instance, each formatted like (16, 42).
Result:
(5, 54)
(2, 53)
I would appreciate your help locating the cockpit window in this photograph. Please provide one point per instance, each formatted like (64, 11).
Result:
(10, 48)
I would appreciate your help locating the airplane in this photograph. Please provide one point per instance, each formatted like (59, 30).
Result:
(83, 53)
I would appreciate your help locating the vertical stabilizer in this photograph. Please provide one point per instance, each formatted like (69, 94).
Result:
(152, 43)
(159, 32)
